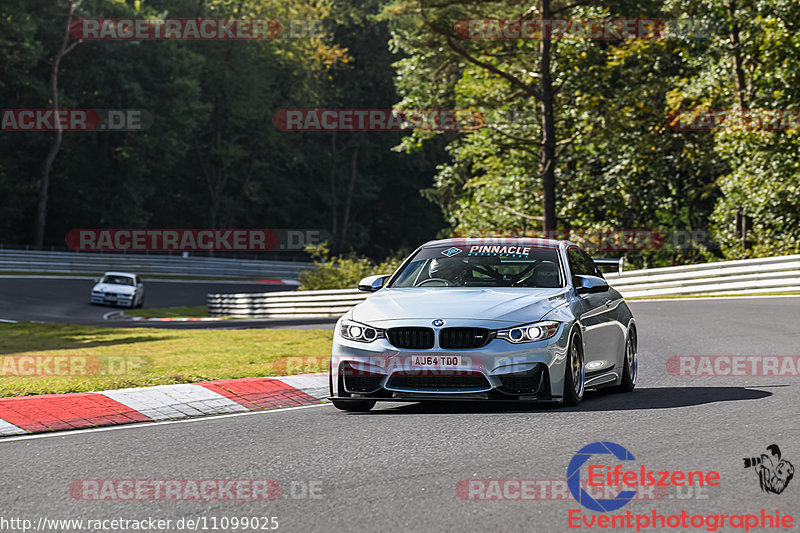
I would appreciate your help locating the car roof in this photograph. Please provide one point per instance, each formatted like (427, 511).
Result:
(128, 274)
(467, 241)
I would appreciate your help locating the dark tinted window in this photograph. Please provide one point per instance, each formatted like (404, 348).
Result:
(593, 268)
(577, 265)
(117, 280)
(580, 264)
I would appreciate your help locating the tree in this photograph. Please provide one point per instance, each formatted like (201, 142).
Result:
(750, 67)
(65, 48)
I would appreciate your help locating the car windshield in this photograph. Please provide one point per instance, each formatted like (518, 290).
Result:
(117, 280)
(484, 265)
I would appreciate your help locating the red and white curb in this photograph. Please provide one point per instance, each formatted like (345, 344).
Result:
(53, 412)
(181, 319)
(120, 315)
(280, 281)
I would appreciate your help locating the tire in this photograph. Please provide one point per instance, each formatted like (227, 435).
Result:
(630, 365)
(574, 373)
(360, 406)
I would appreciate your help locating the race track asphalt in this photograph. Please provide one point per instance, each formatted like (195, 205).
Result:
(66, 300)
(397, 467)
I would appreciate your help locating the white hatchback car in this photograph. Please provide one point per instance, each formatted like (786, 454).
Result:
(118, 288)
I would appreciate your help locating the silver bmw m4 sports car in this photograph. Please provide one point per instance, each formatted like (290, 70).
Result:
(517, 319)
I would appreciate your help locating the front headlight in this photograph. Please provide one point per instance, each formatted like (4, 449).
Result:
(537, 331)
(355, 331)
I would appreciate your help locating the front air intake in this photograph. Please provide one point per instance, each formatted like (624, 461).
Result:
(438, 381)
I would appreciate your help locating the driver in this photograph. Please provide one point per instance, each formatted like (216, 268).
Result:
(450, 269)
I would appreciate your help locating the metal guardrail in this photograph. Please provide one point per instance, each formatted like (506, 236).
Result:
(745, 276)
(287, 304)
(151, 264)
(748, 276)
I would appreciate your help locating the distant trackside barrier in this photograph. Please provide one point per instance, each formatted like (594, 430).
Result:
(146, 264)
(747, 276)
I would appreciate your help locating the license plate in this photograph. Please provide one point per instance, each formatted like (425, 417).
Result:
(111, 298)
(436, 361)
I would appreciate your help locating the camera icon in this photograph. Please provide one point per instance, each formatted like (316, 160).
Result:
(752, 462)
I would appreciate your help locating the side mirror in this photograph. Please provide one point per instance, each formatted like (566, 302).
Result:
(97, 280)
(590, 284)
(373, 283)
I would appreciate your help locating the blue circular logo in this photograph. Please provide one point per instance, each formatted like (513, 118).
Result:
(574, 477)
(438, 322)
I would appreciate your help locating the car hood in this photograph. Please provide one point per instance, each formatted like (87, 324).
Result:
(111, 287)
(510, 306)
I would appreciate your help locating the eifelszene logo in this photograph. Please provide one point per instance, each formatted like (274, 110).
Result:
(619, 477)
(574, 477)
(774, 473)
(609, 468)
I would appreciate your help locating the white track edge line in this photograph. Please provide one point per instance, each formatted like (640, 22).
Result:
(690, 299)
(137, 424)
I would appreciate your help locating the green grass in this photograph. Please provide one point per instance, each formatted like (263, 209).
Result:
(114, 358)
(668, 297)
(170, 312)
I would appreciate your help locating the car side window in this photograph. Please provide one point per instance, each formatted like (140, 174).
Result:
(592, 267)
(577, 265)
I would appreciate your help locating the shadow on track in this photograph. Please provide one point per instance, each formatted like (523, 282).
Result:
(654, 398)
(29, 337)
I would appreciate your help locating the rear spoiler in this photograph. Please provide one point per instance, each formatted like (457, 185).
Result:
(615, 263)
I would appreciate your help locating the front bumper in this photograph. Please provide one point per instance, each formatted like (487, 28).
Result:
(496, 371)
(112, 298)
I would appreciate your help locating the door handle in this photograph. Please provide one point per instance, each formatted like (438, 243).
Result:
(608, 303)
